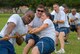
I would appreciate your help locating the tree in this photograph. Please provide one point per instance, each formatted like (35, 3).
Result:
(33, 3)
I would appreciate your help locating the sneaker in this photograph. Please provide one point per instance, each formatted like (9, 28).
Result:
(55, 51)
(67, 42)
(78, 38)
(56, 44)
(61, 51)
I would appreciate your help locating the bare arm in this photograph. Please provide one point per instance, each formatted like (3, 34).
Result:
(60, 21)
(10, 27)
(36, 30)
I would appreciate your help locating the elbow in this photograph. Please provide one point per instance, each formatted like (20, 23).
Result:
(62, 21)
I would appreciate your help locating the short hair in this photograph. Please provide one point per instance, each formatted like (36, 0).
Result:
(41, 6)
(56, 4)
(31, 12)
(64, 5)
(73, 9)
(49, 15)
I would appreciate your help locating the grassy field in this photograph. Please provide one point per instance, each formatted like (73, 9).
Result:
(72, 48)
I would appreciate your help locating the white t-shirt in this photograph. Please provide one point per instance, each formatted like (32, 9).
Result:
(48, 32)
(61, 16)
(37, 22)
(67, 19)
(71, 16)
(53, 12)
(20, 27)
(61, 8)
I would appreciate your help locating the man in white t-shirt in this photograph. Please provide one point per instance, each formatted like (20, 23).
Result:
(66, 10)
(60, 19)
(32, 39)
(62, 7)
(75, 21)
(14, 26)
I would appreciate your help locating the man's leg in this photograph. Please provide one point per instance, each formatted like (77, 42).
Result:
(35, 50)
(66, 39)
(44, 46)
(57, 38)
(29, 45)
(6, 47)
(78, 32)
(61, 38)
(66, 36)
(31, 39)
(3, 50)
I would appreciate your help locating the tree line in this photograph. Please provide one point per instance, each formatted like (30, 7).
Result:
(33, 3)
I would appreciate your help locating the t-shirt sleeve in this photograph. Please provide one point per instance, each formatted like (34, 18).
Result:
(14, 18)
(77, 15)
(47, 21)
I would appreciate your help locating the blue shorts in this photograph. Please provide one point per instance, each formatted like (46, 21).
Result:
(56, 26)
(45, 45)
(78, 24)
(63, 29)
(73, 28)
(32, 36)
(6, 47)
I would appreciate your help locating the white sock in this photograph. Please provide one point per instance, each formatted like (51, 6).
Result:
(62, 49)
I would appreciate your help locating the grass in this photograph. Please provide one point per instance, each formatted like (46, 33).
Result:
(72, 48)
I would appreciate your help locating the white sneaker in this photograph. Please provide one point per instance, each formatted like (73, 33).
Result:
(78, 38)
(61, 51)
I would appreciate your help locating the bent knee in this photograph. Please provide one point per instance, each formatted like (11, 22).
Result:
(35, 50)
(31, 42)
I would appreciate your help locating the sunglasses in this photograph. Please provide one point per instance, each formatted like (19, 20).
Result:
(40, 10)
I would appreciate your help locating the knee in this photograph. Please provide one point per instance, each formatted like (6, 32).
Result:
(31, 42)
(35, 50)
(57, 33)
(62, 34)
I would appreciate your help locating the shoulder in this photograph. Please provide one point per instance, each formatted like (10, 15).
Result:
(15, 16)
(62, 12)
(61, 8)
(77, 13)
(47, 21)
(53, 12)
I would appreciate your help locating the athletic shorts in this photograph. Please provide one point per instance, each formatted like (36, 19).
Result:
(6, 47)
(73, 28)
(63, 29)
(78, 24)
(56, 26)
(32, 36)
(45, 45)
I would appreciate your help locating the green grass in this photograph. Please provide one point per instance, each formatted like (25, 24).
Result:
(72, 48)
